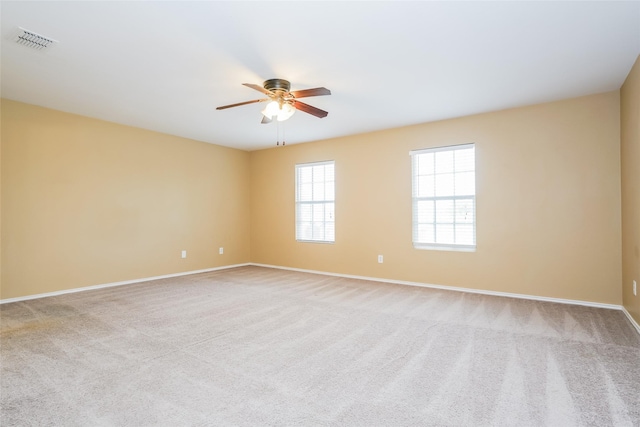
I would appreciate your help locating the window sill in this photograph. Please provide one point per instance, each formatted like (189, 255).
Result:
(452, 248)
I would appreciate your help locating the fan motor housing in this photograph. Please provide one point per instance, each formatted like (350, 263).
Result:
(277, 84)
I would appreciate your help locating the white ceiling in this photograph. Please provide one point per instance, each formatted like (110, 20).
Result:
(165, 66)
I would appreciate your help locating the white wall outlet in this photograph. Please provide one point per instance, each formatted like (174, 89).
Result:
(184, 254)
(221, 251)
(635, 288)
(380, 259)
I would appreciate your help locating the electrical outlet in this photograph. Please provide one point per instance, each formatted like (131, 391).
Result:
(380, 259)
(221, 251)
(184, 254)
(635, 288)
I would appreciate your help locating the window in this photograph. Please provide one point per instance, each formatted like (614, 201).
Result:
(444, 198)
(315, 202)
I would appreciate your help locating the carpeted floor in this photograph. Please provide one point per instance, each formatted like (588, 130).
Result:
(254, 346)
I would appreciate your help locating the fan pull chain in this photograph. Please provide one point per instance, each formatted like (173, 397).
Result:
(278, 133)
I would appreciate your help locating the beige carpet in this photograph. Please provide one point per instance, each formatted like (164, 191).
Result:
(254, 346)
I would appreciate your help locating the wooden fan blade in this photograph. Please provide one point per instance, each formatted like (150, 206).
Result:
(242, 103)
(309, 109)
(318, 91)
(258, 88)
(265, 120)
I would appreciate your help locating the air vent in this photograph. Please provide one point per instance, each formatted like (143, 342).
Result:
(33, 40)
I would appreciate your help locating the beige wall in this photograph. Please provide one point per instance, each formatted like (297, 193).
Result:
(86, 202)
(630, 165)
(548, 203)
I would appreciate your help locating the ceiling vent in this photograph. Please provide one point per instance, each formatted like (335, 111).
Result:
(33, 40)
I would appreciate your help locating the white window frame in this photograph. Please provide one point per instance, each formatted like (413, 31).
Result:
(315, 211)
(467, 199)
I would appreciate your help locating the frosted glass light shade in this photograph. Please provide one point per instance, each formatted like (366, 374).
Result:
(271, 109)
(280, 112)
(285, 112)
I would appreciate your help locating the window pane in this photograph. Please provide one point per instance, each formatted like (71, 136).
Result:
(465, 183)
(329, 172)
(318, 173)
(425, 164)
(318, 230)
(304, 213)
(305, 194)
(425, 233)
(464, 211)
(318, 191)
(426, 186)
(444, 233)
(444, 185)
(304, 231)
(425, 211)
(318, 212)
(464, 234)
(304, 174)
(465, 159)
(329, 191)
(444, 161)
(328, 212)
(330, 231)
(444, 211)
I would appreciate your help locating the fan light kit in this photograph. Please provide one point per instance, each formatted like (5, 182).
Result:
(280, 111)
(283, 102)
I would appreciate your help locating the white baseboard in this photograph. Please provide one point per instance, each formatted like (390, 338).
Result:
(468, 290)
(454, 288)
(109, 285)
(631, 319)
(350, 276)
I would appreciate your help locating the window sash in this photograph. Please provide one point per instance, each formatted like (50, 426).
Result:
(315, 202)
(443, 217)
(453, 223)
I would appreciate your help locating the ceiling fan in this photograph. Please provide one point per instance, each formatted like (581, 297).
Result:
(283, 102)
